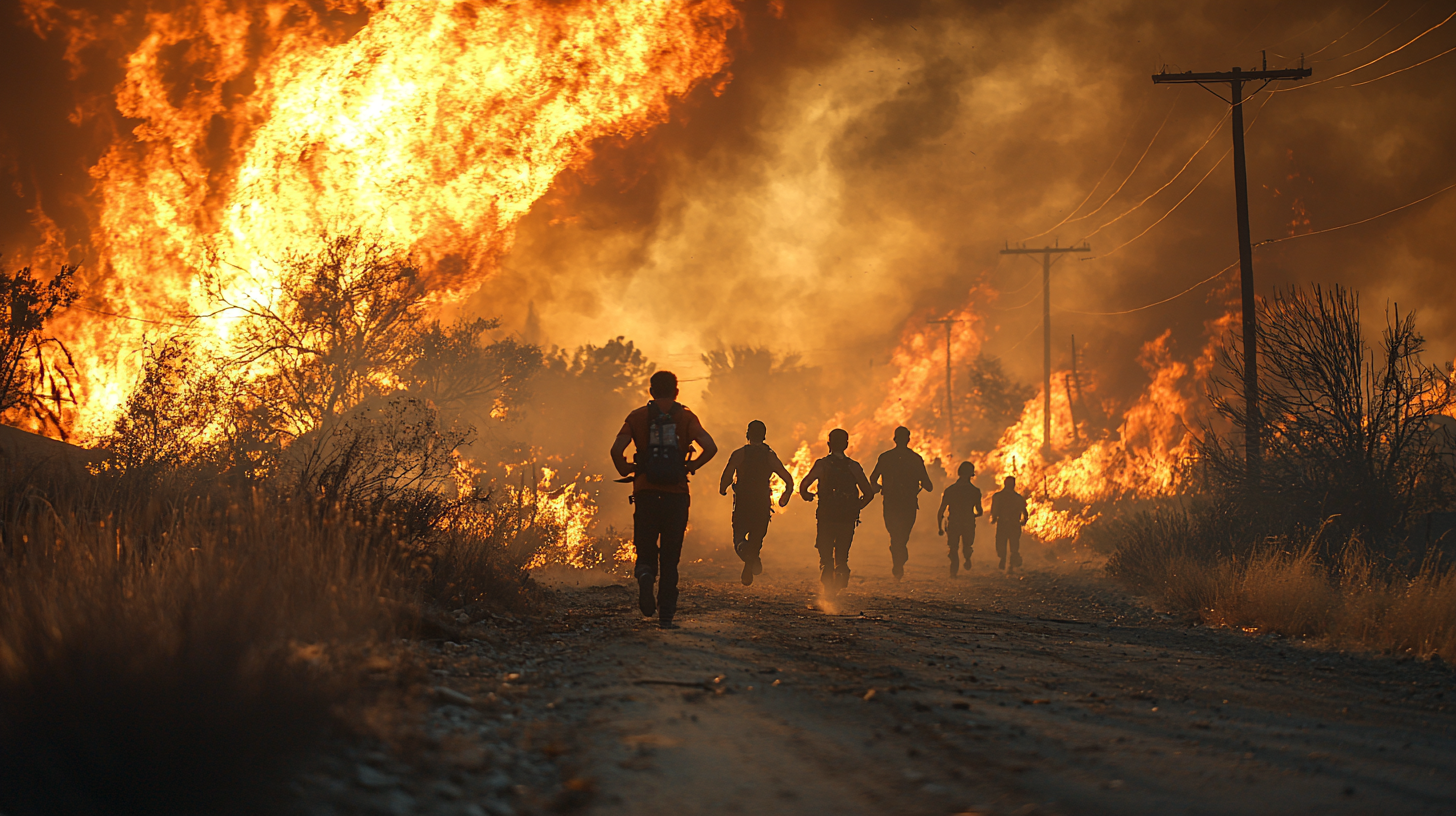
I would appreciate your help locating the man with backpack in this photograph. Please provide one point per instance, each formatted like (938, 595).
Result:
(1008, 513)
(843, 492)
(900, 475)
(749, 472)
(963, 499)
(663, 432)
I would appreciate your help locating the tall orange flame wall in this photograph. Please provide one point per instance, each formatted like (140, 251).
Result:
(435, 126)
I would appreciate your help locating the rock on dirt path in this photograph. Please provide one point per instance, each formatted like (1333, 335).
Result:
(1039, 694)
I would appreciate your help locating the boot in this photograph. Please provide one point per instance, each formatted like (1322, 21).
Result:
(747, 575)
(757, 565)
(645, 600)
(842, 578)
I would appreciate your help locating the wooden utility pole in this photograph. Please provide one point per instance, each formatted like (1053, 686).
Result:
(1074, 391)
(1253, 451)
(949, 403)
(1046, 254)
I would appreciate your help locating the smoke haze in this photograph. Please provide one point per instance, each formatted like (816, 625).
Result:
(854, 170)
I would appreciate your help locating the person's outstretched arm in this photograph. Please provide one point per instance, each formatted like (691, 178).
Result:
(810, 479)
(710, 448)
(977, 509)
(940, 514)
(865, 487)
(875, 477)
(619, 451)
(1025, 516)
(783, 473)
(925, 477)
(728, 471)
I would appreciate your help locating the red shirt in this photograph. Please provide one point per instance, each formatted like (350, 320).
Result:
(688, 427)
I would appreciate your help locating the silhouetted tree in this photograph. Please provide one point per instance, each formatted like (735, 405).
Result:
(35, 369)
(755, 382)
(1348, 429)
(987, 402)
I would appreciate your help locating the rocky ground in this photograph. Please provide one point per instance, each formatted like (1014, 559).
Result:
(1044, 693)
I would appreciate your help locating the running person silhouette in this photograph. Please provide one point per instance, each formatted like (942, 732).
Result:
(963, 499)
(900, 475)
(749, 472)
(663, 432)
(843, 492)
(1008, 513)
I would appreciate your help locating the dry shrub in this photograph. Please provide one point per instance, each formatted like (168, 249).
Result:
(1359, 602)
(171, 656)
(1192, 584)
(1406, 616)
(1278, 592)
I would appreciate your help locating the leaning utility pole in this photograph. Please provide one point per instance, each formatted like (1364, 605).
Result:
(949, 404)
(1046, 254)
(1253, 432)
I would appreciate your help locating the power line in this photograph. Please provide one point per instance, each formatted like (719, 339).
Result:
(1022, 306)
(1400, 71)
(1186, 195)
(1383, 35)
(1266, 242)
(1371, 62)
(1166, 185)
(1103, 178)
(1363, 20)
(1356, 223)
(1158, 303)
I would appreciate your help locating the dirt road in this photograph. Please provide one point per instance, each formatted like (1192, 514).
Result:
(1044, 693)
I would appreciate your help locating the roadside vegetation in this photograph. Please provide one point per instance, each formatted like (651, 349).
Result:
(221, 582)
(1348, 534)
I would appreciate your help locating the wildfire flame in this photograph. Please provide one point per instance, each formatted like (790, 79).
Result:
(435, 126)
(565, 508)
(1080, 480)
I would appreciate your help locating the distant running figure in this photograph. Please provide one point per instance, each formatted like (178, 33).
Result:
(749, 472)
(663, 432)
(843, 492)
(1008, 513)
(963, 499)
(900, 475)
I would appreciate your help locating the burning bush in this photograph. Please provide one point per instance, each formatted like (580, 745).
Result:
(1349, 431)
(1353, 454)
(35, 368)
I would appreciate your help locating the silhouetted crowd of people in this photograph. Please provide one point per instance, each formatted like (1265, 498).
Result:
(663, 434)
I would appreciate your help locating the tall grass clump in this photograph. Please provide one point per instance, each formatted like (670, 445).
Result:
(166, 654)
(1341, 595)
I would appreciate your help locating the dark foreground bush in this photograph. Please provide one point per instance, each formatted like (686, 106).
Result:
(169, 654)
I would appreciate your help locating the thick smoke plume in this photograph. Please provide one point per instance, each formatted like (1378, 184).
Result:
(844, 173)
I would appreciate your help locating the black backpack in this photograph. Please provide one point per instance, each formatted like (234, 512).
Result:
(838, 489)
(665, 462)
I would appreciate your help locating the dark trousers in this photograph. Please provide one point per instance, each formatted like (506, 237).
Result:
(832, 542)
(658, 524)
(750, 525)
(1008, 542)
(958, 537)
(899, 521)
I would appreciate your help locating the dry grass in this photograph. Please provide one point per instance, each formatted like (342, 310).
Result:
(1355, 604)
(166, 653)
